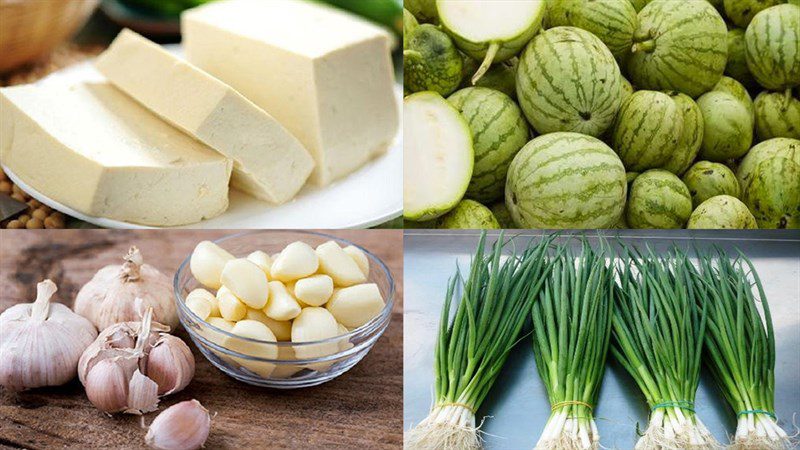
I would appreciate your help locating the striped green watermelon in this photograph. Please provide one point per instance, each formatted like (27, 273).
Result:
(568, 80)
(738, 91)
(736, 67)
(777, 115)
(658, 199)
(691, 135)
(741, 12)
(772, 47)
(706, 179)
(773, 148)
(498, 132)
(728, 131)
(773, 194)
(431, 62)
(722, 212)
(468, 215)
(566, 180)
(613, 21)
(489, 30)
(627, 90)
(647, 130)
(680, 46)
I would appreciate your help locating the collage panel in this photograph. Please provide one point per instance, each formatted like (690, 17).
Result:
(195, 346)
(602, 114)
(533, 339)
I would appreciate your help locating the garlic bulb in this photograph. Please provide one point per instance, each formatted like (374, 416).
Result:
(40, 342)
(122, 294)
(182, 426)
(131, 364)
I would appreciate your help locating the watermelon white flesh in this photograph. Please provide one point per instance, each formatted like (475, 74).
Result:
(438, 156)
(491, 30)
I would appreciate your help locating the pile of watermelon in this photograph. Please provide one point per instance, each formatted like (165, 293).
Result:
(602, 113)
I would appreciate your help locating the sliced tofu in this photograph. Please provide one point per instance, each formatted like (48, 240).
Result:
(325, 74)
(93, 149)
(269, 162)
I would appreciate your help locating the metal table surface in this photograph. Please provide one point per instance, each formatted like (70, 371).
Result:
(516, 409)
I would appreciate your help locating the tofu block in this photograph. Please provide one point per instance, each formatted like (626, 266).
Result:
(326, 75)
(90, 147)
(268, 161)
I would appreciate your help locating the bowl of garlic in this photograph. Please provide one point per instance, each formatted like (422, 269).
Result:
(283, 309)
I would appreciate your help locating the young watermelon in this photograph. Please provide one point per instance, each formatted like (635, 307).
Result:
(773, 193)
(498, 132)
(647, 130)
(773, 148)
(736, 67)
(431, 62)
(741, 12)
(566, 180)
(613, 21)
(738, 91)
(678, 47)
(568, 80)
(437, 156)
(772, 47)
(777, 115)
(706, 179)
(491, 30)
(468, 215)
(722, 212)
(658, 199)
(691, 134)
(728, 130)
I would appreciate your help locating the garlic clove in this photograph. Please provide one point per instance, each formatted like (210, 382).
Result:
(247, 282)
(142, 394)
(281, 306)
(339, 265)
(207, 262)
(170, 365)
(261, 259)
(182, 426)
(359, 257)
(107, 385)
(297, 260)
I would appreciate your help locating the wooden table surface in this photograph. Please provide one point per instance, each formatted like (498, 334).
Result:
(360, 409)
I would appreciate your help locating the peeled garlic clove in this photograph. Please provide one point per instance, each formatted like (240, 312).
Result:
(182, 426)
(297, 260)
(208, 297)
(261, 259)
(314, 290)
(230, 307)
(170, 364)
(314, 324)
(142, 394)
(207, 261)
(281, 305)
(254, 330)
(221, 323)
(282, 329)
(344, 344)
(359, 257)
(247, 281)
(41, 342)
(356, 305)
(107, 385)
(339, 265)
(122, 293)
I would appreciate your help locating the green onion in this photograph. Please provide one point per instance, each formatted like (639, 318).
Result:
(741, 346)
(572, 329)
(658, 338)
(472, 347)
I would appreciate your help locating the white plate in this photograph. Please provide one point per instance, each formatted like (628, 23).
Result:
(370, 196)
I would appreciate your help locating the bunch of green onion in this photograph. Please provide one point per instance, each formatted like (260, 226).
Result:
(495, 300)
(572, 329)
(741, 346)
(658, 338)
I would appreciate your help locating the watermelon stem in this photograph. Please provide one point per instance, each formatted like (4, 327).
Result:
(487, 62)
(646, 46)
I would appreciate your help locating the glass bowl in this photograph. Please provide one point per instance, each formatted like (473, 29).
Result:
(299, 364)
